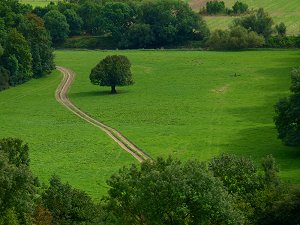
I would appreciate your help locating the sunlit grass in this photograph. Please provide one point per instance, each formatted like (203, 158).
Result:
(194, 104)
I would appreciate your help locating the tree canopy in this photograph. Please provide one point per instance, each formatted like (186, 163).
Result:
(56, 24)
(17, 187)
(169, 192)
(287, 119)
(259, 22)
(25, 45)
(112, 71)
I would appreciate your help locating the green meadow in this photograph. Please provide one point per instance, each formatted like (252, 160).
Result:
(59, 142)
(37, 2)
(280, 10)
(193, 104)
(189, 104)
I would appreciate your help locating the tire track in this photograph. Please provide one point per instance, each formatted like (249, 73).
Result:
(61, 97)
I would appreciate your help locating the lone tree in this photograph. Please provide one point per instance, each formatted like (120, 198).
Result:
(112, 71)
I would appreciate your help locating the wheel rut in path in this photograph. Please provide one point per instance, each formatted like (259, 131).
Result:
(61, 97)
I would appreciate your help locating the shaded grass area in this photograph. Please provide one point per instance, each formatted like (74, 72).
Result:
(280, 10)
(194, 104)
(60, 143)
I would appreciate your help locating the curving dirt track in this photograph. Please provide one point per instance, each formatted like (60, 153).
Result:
(61, 97)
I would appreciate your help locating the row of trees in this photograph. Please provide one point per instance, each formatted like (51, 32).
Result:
(225, 190)
(25, 45)
(155, 24)
(132, 24)
(252, 31)
(218, 7)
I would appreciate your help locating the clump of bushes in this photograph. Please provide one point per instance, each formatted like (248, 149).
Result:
(235, 38)
(218, 7)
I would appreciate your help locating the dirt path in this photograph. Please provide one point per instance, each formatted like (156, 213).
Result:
(61, 96)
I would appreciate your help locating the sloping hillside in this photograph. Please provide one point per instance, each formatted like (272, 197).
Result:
(280, 10)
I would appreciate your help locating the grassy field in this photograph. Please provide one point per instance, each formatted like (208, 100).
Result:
(194, 104)
(280, 10)
(38, 2)
(60, 143)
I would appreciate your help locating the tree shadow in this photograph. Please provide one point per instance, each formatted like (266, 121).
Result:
(251, 114)
(259, 141)
(97, 93)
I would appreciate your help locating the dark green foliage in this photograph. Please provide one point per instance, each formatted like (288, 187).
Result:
(112, 71)
(115, 18)
(40, 44)
(238, 174)
(295, 77)
(26, 43)
(56, 24)
(287, 120)
(279, 41)
(90, 42)
(215, 7)
(281, 29)
(17, 58)
(169, 192)
(239, 7)
(255, 193)
(89, 12)
(75, 22)
(171, 22)
(235, 38)
(260, 22)
(4, 79)
(67, 205)
(16, 183)
(140, 36)
(285, 211)
(3, 74)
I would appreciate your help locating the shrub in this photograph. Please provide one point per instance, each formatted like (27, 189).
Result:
(215, 7)
(234, 39)
(239, 7)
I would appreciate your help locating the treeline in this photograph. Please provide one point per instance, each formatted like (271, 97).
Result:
(225, 190)
(156, 24)
(218, 7)
(25, 45)
(130, 24)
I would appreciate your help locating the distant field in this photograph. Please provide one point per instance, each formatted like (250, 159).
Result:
(38, 2)
(194, 104)
(60, 143)
(280, 10)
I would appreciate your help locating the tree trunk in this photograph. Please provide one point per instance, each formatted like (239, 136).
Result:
(113, 90)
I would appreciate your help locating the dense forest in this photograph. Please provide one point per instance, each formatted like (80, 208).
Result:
(25, 45)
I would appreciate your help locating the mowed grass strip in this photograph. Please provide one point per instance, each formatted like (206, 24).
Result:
(193, 104)
(280, 10)
(60, 143)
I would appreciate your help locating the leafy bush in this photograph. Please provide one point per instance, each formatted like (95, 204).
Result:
(259, 22)
(282, 42)
(234, 39)
(239, 7)
(169, 192)
(215, 7)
